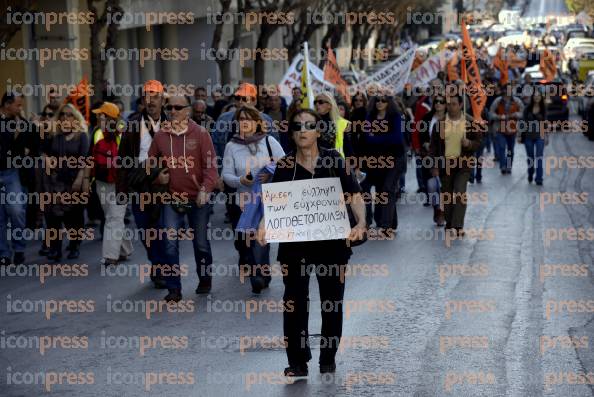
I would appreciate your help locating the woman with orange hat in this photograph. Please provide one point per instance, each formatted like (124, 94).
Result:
(116, 246)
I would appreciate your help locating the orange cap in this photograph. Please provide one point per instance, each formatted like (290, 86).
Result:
(247, 90)
(109, 109)
(153, 86)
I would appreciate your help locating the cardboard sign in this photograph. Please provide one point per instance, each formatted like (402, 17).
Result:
(305, 210)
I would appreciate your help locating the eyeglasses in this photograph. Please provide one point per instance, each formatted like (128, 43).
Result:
(358, 100)
(47, 114)
(66, 114)
(297, 126)
(177, 108)
(320, 102)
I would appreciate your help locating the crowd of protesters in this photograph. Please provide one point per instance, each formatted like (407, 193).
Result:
(174, 153)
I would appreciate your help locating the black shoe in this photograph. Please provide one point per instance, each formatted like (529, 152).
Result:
(44, 251)
(110, 262)
(530, 178)
(4, 261)
(539, 183)
(54, 255)
(19, 258)
(74, 253)
(479, 180)
(258, 285)
(174, 295)
(159, 283)
(327, 368)
(203, 288)
(122, 258)
(296, 371)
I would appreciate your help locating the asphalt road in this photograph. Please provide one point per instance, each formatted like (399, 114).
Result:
(496, 314)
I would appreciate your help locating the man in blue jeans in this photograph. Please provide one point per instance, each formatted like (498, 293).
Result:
(133, 149)
(17, 140)
(505, 112)
(191, 175)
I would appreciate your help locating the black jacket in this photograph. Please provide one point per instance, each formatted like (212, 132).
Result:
(129, 148)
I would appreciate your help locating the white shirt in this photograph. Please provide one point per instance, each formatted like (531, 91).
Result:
(145, 137)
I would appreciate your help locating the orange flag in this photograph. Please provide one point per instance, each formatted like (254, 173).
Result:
(452, 67)
(332, 75)
(500, 62)
(81, 98)
(418, 61)
(548, 66)
(515, 61)
(474, 87)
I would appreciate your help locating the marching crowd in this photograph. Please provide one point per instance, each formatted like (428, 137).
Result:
(173, 154)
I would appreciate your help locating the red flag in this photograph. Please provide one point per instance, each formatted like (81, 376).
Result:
(81, 98)
(474, 88)
(332, 75)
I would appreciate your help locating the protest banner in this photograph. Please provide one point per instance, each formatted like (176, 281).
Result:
(305, 210)
(427, 71)
(394, 75)
(292, 78)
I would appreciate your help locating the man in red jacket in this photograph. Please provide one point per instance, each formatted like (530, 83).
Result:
(187, 151)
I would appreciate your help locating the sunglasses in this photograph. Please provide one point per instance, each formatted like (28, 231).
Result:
(46, 114)
(241, 98)
(177, 108)
(66, 114)
(382, 99)
(297, 126)
(320, 102)
(440, 101)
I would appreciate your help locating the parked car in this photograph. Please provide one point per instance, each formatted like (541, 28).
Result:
(556, 99)
(586, 97)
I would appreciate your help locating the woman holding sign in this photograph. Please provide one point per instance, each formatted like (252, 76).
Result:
(327, 257)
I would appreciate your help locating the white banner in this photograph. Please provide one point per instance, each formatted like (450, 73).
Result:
(394, 75)
(305, 210)
(292, 78)
(421, 76)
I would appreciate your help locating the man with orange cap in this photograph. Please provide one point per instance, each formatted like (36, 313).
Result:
(133, 152)
(246, 95)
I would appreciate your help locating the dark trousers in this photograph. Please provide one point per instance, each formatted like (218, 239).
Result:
(296, 313)
(252, 256)
(386, 184)
(506, 144)
(142, 218)
(453, 189)
(72, 219)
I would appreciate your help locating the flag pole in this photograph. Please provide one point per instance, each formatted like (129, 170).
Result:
(310, 98)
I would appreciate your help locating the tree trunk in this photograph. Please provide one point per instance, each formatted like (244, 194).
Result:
(224, 63)
(266, 31)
